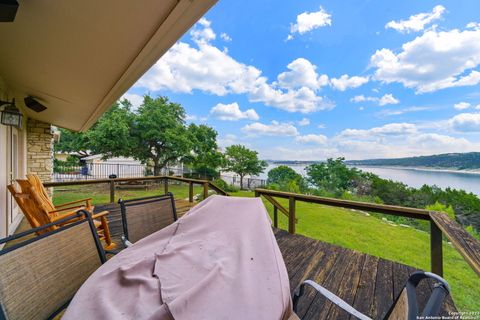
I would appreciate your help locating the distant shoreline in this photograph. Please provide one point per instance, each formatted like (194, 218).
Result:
(449, 170)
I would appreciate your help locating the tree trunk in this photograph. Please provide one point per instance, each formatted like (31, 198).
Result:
(241, 182)
(156, 168)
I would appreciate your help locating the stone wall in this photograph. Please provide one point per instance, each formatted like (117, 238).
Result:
(40, 149)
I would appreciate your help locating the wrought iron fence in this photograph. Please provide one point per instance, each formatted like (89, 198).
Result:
(94, 171)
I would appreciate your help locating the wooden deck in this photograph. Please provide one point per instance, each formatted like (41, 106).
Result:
(368, 283)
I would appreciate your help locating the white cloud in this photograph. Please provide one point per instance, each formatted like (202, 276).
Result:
(382, 101)
(462, 105)
(396, 112)
(232, 112)
(474, 25)
(304, 122)
(433, 61)
(302, 73)
(312, 138)
(465, 122)
(185, 68)
(477, 107)
(321, 126)
(388, 99)
(135, 99)
(416, 22)
(390, 129)
(202, 32)
(345, 82)
(191, 117)
(225, 37)
(274, 129)
(308, 21)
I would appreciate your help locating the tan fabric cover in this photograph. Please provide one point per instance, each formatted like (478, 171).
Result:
(37, 279)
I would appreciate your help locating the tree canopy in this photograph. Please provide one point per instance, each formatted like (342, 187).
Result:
(243, 161)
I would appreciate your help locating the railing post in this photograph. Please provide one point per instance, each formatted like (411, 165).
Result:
(190, 191)
(291, 215)
(112, 191)
(165, 185)
(275, 217)
(436, 254)
(205, 190)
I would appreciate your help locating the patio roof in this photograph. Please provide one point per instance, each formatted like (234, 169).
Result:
(77, 57)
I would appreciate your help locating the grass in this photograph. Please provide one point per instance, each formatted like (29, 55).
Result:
(346, 228)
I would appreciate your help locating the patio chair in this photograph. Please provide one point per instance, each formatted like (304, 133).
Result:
(39, 210)
(144, 216)
(40, 275)
(405, 305)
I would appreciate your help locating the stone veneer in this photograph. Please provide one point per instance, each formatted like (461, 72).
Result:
(40, 149)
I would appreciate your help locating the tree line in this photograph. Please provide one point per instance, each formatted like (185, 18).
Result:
(157, 135)
(334, 178)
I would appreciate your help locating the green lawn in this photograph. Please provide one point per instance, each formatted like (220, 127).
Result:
(345, 228)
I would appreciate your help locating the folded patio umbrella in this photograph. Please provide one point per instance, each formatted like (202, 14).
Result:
(219, 261)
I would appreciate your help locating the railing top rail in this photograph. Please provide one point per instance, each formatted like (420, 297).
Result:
(99, 181)
(365, 206)
(465, 244)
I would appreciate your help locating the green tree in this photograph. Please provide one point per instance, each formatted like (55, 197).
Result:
(71, 141)
(286, 178)
(204, 156)
(332, 175)
(243, 162)
(111, 134)
(159, 135)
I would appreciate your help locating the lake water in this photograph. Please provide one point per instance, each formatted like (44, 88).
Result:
(469, 182)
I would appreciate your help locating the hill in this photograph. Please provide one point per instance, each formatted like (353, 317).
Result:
(460, 161)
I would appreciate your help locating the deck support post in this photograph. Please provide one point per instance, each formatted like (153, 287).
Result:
(112, 191)
(436, 254)
(257, 194)
(205, 190)
(190, 191)
(291, 215)
(275, 217)
(165, 185)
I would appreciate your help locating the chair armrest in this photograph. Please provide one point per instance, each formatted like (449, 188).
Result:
(100, 214)
(67, 215)
(21, 195)
(298, 292)
(65, 209)
(86, 200)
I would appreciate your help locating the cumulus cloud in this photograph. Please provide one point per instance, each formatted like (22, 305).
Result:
(304, 122)
(312, 138)
(185, 68)
(382, 101)
(416, 22)
(302, 73)
(346, 82)
(135, 99)
(433, 61)
(232, 112)
(390, 129)
(274, 129)
(462, 105)
(308, 21)
(465, 122)
(225, 37)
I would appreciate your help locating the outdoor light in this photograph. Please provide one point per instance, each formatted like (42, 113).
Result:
(11, 116)
(8, 10)
(33, 104)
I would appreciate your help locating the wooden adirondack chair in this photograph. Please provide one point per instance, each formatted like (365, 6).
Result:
(39, 210)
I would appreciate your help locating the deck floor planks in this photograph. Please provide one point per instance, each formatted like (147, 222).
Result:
(370, 284)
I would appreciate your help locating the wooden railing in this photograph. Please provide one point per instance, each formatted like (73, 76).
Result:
(440, 223)
(207, 185)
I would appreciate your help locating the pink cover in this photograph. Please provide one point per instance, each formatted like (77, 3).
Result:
(219, 261)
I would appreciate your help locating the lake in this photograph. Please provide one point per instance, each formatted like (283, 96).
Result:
(412, 177)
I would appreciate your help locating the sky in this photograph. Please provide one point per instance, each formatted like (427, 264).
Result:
(310, 80)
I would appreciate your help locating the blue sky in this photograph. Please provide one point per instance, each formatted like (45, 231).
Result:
(307, 80)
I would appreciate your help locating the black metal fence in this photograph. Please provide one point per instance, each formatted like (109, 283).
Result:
(94, 171)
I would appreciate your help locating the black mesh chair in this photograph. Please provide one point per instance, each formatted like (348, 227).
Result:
(144, 216)
(404, 307)
(40, 274)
